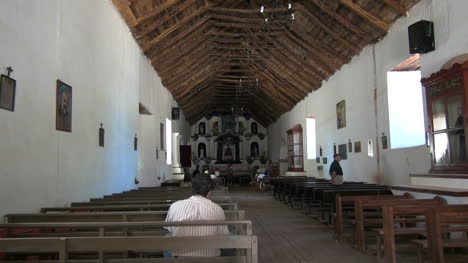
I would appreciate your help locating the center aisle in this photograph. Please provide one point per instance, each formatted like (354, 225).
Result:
(285, 235)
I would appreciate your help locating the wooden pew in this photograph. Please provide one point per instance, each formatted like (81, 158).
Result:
(348, 202)
(440, 222)
(105, 217)
(216, 199)
(64, 246)
(136, 202)
(74, 229)
(361, 221)
(114, 208)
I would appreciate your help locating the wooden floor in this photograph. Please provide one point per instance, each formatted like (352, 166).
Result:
(288, 236)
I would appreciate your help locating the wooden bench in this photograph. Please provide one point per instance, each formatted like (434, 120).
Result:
(74, 229)
(377, 205)
(114, 208)
(105, 217)
(65, 246)
(348, 202)
(136, 202)
(440, 222)
(216, 199)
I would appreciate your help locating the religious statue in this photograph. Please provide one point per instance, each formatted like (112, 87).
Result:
(201, 150)
(201, 128)
(254, 128)
(254, 151)
(228, 153)
(215, 129)
(241, 128)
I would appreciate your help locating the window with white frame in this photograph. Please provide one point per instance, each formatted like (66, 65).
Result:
(405, 109)
(311, 138)
(168, 141)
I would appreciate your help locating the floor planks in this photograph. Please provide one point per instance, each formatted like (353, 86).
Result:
(287, 235)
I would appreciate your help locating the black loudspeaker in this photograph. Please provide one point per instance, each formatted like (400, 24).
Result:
(421, 37)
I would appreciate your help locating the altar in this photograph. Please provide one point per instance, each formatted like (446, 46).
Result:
(228, 150)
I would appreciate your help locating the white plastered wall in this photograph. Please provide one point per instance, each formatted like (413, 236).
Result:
(87, 45)
(356, 83)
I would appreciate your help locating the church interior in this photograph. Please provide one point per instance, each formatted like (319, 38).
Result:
(132, 98)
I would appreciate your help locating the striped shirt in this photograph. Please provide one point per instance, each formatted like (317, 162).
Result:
(196, 208)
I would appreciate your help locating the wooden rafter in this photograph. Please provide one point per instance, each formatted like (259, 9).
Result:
(366, 15)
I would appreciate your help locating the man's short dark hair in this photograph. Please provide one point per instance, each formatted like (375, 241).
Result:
(337, 154)
(201, 185)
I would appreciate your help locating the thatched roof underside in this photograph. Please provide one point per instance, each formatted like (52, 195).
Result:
(201, 49)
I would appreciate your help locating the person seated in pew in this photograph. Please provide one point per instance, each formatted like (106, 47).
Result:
(336, 173)
(196, 208)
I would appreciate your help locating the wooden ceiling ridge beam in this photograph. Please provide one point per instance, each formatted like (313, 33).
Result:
(148, 45)
(343, 21)
(366, 15)
(248, 11)
(126, 12)
(397, 6)
(314, 20)
(141, 32)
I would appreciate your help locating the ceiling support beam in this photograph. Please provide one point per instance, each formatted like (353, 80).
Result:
(366, 15)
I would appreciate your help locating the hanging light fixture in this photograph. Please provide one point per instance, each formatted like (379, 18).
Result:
(278, 20)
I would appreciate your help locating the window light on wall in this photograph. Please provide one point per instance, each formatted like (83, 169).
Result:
(168, 141)
(405, 109)
(311, 138)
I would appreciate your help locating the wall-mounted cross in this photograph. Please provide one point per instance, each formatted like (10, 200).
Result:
(9, 70)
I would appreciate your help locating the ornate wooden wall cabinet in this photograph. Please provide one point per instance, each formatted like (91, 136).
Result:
(446, 96)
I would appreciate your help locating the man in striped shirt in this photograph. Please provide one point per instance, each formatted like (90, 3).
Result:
(197, 208)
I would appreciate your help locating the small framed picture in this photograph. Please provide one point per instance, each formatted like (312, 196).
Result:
(63, 120)
(7, 93)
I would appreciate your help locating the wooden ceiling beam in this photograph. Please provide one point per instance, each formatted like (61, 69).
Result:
(148, 45)
(343, 21)
(155, 12)
(140, 31)
(397, 6)
(366, 15)
(126, 12)
(180, 38)
(176, 63)
(208, 69)
(278, 82)
(169, 59)
(314, 20)
(183, 65)
(248, 11)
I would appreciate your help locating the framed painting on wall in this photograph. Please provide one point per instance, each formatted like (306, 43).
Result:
(7, 93)
(343, 151)
(357, 147)
(63, 119)
(341, 114)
